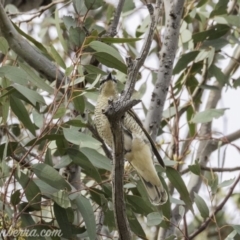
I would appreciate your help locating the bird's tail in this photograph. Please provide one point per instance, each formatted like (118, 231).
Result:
(157, 194)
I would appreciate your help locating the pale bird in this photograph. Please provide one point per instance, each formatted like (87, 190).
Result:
(138, 145)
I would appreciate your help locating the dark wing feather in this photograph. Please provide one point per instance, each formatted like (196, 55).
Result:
(155, 151)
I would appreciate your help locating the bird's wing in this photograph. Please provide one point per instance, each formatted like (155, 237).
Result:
(154, 149)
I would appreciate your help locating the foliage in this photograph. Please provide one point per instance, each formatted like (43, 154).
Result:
(47, 133)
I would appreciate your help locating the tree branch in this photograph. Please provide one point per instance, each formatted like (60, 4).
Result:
(204, 225)
(112, 30)
(114, 113)
(167, 55)
(27, 52)
(206, 147)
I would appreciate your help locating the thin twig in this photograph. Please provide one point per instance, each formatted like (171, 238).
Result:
(112, 31)
(218, 208)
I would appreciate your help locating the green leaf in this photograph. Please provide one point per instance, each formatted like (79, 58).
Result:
(226, 183)
(74, 136)
(20, 111)
(79, 102)
(31, 95)
(110, 61)
(138, 205)
(201, 205)
(95, 70)
(63, 222)
(69, 21)
(31, 190)
(14, 74)
(81, 160)
(195, 168)
(97, 159)
(59, 31)
(15, 197)
(79, 7)
(3, 45)
(212, 181)
(51, 137)
(35, 79)
(119, 40)
(49, 175)
(104, 48)
(135, 225)
(76, 37)
(184, 60)
(220, 8)
(93, 4)
(215, 32)
(33, 40)
(55, 55)
(108, 56)
(61, 112)
(218, 74)
(192, 126)
(177, 181)
(208, 115)
(85, 208)
(231, 235)
(61, 198)
(154, 219)
(236, 228)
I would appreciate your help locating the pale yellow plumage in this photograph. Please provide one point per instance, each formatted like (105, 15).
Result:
(136, 144)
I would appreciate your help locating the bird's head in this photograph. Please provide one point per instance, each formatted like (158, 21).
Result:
(108, 86)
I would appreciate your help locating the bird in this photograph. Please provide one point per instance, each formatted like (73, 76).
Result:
(138, 145)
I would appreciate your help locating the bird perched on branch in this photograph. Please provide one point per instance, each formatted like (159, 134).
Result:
(138, 145)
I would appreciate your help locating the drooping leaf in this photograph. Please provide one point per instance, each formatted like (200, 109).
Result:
(59, 31)
(49, 175)
(15, 197)
(31, 190)
(20, 111)
(154, 218)
(195, 168)
(177, 181)
(86, 210)
(120, 40)
(184, 60)
(93, 4)
(110, 61)
(208, 115)
(63, 222)
(35, 79)
(3, 45)
(135, 225)
(97, 159)
(31, 95)
(215, 32)
(14, 74)
(74, 136)
(201, 205)
(61, 198)
(81, 160)
(138, 205)
(55, 55)
(50, 137)
(226, 183)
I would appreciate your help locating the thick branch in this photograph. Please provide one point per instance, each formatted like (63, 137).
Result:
(27, 52)
(167, 55)
(114, 113)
